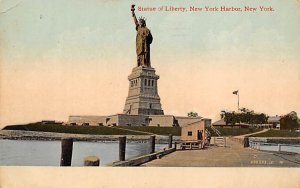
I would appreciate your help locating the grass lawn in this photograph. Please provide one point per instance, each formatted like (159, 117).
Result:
(234, 131)
(101, 130)
(278, 133)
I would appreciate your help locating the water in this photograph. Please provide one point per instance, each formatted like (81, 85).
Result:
(275, 147)
(47, 153)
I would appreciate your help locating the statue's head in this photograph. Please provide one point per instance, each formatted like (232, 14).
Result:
(142, 21)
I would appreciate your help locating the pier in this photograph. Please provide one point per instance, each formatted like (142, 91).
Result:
(233, 155)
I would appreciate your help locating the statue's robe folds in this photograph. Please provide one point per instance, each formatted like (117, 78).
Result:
(143, 41)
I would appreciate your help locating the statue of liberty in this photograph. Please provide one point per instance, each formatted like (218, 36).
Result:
(143, 40)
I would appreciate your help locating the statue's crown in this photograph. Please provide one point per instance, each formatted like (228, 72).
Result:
(142, 19)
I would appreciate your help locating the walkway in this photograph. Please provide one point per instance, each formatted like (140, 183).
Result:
(234, 155)
(132, 130)
(250, 134)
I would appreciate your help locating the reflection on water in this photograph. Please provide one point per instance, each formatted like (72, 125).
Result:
(47, 153)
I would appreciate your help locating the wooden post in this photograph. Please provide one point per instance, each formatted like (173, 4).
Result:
(152, 144)
(175, 145)
(66, 151)
(246, 142)
(122, 148)
(279, 147)
(91, 161)
(170, 140)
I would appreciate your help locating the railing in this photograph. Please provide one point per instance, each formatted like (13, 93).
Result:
(216, 131)
(274, 147)
(207, 132)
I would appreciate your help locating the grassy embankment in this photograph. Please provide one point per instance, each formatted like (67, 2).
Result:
(278, 133)
(176, 131)
(101, 130)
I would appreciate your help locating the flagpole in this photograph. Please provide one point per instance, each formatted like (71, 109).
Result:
(238, 95)
(238, 101)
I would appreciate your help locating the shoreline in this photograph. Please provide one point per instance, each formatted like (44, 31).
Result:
(51, 136)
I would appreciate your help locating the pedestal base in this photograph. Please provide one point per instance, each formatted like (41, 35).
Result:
(143, 98)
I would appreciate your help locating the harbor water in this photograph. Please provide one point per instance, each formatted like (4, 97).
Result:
(47, 153)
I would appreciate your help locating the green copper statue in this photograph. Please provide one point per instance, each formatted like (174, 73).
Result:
(143, 40)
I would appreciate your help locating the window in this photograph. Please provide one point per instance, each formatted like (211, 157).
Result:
(148, 82)
(190, 133)
(145, 82)
(152, 82)
(150, 105)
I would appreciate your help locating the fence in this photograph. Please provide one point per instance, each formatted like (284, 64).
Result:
(219, 141)
(264, 146)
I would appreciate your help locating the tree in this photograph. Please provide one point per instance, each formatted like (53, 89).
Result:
(245, 116)
(192, 114)
(290, 121)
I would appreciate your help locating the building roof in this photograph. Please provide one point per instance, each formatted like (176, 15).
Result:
(219, 122)
(222, 122)
(190, 124)
(186, 117)
(273, 119)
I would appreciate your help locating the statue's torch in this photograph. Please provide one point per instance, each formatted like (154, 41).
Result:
(132, 8)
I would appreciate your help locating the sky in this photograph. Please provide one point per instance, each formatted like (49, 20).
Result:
(62, 57)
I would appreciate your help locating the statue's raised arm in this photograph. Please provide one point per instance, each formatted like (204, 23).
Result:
(133, 15)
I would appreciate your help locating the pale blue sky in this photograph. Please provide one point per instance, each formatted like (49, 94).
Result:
(37, 26)
(69, 44)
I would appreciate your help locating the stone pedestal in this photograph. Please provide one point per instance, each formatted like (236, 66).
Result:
(143, 98)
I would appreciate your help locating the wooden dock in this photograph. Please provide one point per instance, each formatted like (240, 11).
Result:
(233, 155)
